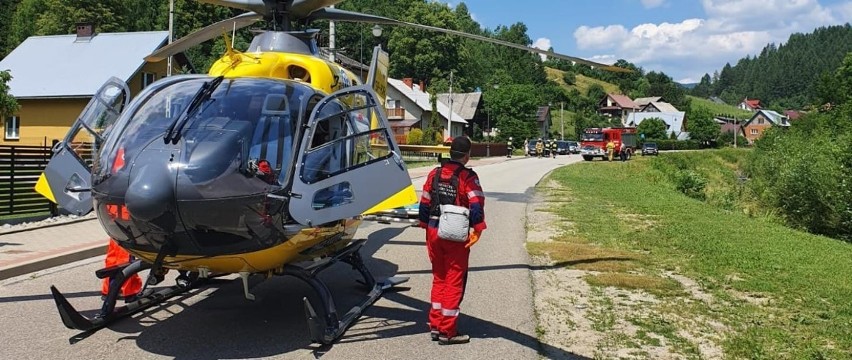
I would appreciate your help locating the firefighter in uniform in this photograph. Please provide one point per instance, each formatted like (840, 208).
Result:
(509, 148)
(451, 183)
(539, 148)
(610, 148)
(553, 148)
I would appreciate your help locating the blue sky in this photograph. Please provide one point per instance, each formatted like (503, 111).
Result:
(683, 38)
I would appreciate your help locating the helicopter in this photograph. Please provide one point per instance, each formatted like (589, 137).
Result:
(266, 165)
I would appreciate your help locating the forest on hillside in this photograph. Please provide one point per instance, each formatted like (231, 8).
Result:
(513, 82)
(785, 76)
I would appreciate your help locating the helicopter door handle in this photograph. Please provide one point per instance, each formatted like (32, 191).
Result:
(398, 160)
(77, 189)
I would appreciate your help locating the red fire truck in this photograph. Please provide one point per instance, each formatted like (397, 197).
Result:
(595, 140)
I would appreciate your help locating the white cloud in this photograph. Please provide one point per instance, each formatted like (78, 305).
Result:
(650, 4)
(600, 37)
(731, 30)
(543, 44)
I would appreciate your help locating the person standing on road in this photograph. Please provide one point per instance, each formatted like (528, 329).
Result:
(553, 148)
(450, 184)
(539, 148)
(509, 148)
(526, 147)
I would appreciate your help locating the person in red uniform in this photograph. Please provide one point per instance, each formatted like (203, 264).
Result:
(450, 258)
(115, 255)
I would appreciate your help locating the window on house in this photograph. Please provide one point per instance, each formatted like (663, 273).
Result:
(754, 131)
(12, 128)
(148, 79)
(760, 121)
(392, 104)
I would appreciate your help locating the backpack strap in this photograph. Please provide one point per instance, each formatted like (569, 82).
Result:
(436, 179)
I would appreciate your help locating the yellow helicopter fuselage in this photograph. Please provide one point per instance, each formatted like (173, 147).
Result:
(319, 73)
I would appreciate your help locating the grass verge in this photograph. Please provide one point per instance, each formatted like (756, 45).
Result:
(780, 293)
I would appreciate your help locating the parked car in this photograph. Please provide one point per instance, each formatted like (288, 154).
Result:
(650, 148)
(573, 147)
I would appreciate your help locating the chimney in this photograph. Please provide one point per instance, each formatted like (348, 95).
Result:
(422, 86)
(85, 31)
(408, 82)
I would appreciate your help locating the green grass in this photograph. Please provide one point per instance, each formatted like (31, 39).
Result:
(800, 281)
(719, 108)
(582, 82)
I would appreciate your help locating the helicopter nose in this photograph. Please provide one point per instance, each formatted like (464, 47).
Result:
(150, 192)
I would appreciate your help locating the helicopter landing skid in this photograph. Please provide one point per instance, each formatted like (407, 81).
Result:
(325, 329)
(109, 312)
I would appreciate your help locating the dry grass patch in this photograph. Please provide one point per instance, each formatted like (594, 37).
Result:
(651, 284)
(585, 256)
(637, 222)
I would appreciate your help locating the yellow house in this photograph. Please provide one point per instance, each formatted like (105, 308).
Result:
(54, 77)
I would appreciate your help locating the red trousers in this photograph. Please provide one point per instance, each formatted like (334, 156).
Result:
(449, 276)
(116, 256)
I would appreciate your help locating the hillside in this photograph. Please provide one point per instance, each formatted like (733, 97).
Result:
(582, 84)
(718, 108)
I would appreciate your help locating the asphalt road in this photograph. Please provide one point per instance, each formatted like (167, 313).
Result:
(217, 322)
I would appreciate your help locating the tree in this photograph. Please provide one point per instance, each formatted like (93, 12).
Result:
(8, 104)
(595, 93)
(702, 127)
(24, 22)
(569, 77)
(428, 55)
(652, 128)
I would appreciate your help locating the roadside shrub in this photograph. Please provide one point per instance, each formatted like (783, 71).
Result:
(691, 184)
(415, 137)
(677, 144)
(431, 136)
(805, 172)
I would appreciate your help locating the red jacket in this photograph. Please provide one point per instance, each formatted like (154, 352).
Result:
(469, 195)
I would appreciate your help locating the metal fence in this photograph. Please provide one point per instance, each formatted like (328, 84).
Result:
(20, 168)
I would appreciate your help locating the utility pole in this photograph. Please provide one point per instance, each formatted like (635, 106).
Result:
(736, 131)
(171, 35)
(331, 40)
(562, 120)
(450, 115)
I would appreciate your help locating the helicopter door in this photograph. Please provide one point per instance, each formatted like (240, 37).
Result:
(67, 178)
(348, 161)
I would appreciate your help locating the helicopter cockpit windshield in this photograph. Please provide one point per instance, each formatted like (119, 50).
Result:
(246, 125)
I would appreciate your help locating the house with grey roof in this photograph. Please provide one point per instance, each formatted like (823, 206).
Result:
(409, 107)
(467, 106)
(761, 121)
(675, 122)
(642, 102)
(54, 77)
(659, 106)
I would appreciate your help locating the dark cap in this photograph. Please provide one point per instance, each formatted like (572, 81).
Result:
(460, 146)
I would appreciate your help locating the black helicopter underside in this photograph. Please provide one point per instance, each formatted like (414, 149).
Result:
(323, 328)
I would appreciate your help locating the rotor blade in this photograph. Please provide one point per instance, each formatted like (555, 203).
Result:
(298, 9)
(204, 34)
(350, 16)
(301, 8)
(256, 6)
